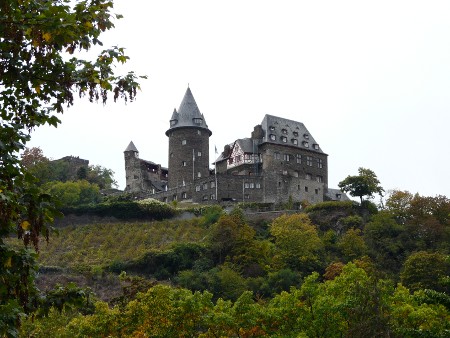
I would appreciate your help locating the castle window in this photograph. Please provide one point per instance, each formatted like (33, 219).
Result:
(199, 174)
(199, 132)
(252, 185)
(319, 163)
(199, 154)
(246, 185)
(276, 155)
(305, 144)
(173, 122)
(294, 141)
(247, 196)
(319, 179)
(272, 137)
(183, 142)
(295, 133)
(272, 128)
(306, 136)
(295, 173)
(316, 191)
(309, 161)
(338, 196)
(205, 197)
(197, 188)
(285, 172)
(258, 185)
(212, 196)
(284, 139)
(306, 189)
(308, 176)
(205, 186)
(197, 120)
(316, 146)
(174, 197)
(183, 163)
(298, 187)
(184, 195)
(284, 131)
(286, 157)
(299, 158)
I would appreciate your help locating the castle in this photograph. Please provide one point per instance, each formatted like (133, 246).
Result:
(281, 161)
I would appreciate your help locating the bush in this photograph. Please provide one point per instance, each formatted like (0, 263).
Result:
(146, 209)
(331, 205)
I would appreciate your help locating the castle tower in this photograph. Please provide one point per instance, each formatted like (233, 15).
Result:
(132, 169)
(188, 143)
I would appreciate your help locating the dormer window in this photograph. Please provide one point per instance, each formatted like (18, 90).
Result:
(294, 141)
(197, 120)
(272, 128)
(284, 139)
(173, 122)
(316, 146)
(284, 131)
(306, 144)
(295, 133)
(306, 136)
(272, 137)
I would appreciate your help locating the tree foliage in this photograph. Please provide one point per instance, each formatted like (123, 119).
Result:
(365, 183)
(39, 75)
(297, 241)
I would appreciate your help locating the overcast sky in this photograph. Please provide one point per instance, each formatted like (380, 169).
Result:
(369, 79)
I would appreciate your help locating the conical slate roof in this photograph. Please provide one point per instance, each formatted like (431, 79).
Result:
(188, 115)
(131, 147)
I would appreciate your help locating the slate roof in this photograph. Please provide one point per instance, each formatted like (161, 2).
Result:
(334, 193)
(277, 129)
(246, 144)
(188, 115)
(131, 147)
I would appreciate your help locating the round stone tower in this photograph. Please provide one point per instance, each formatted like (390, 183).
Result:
(132, 169)
(188, 143)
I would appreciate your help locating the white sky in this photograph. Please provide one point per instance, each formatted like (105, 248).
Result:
(369, 79)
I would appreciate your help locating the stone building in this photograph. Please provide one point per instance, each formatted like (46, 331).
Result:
(280, 161)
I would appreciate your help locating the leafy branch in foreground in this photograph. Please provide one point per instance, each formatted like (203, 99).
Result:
(39, 75)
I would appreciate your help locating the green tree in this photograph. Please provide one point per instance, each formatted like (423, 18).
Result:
(297, 242)
(73, 193)
(352, 245)
(426, 270)
(101, 176)
(387, 241)
(39, 75)
(364, 184)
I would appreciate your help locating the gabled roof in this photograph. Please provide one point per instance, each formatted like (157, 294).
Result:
(279, 130)
(188, 115)
(131, 147)
(336, 195)
(246, 144)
